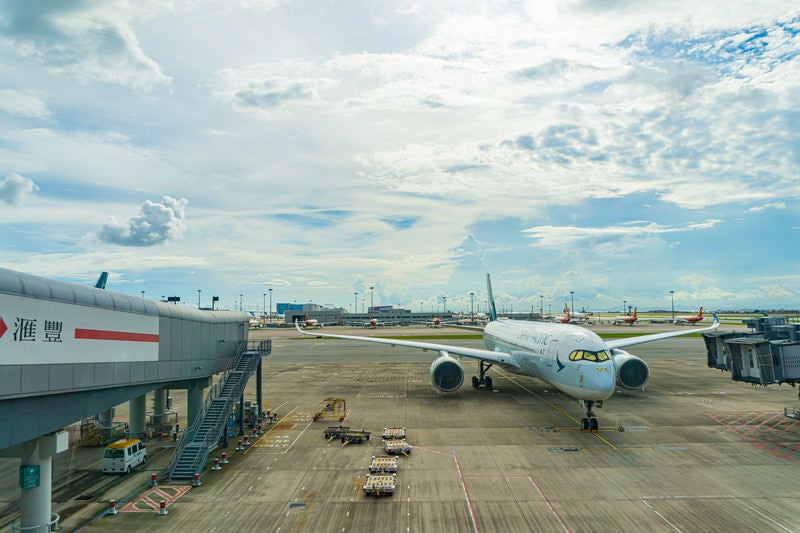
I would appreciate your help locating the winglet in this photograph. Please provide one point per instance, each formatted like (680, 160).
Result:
(492, 308)
(101, 281)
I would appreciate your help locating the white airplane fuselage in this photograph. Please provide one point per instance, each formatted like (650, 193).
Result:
(543, 349)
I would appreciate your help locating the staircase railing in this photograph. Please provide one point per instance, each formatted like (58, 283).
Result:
(212, 437)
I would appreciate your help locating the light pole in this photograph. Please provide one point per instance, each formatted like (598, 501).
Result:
(355, 302)
(472, 305)
(421, 306)
(672, 297)
(270, 302)
(541, 304)
(444, 305)
(264, 303)
(142, 294)
(371, 302)
(241, 304)
(198, 297)
(624, 304)
(572, 301)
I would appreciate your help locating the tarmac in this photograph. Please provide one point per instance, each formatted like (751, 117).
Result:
(693, 452)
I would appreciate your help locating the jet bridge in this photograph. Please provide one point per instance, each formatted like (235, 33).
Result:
(769, 354)
(69, 351)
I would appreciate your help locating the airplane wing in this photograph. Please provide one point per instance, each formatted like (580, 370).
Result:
(475, 353)
(464, 326)
(630, 341)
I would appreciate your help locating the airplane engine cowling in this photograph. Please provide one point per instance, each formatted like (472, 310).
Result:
(632, 372)
(446, 373)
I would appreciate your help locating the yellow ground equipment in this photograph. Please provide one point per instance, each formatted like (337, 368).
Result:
(330, 408)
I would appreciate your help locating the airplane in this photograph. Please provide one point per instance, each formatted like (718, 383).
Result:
(565, 318)
(438, 322)
(626, 319)
(312, 322)
(101, 281)
(690, 319)
(568, 317)
(567, 357)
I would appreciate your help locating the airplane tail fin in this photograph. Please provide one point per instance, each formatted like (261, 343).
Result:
(634, 312)
(101, 281)
(492, 308)
(700, 312)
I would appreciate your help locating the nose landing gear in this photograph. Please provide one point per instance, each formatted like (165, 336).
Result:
(589, 422)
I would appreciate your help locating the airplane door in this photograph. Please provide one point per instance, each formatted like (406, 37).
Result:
(552, 352)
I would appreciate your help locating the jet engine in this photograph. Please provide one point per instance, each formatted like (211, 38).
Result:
(446, 373)
(632, 372)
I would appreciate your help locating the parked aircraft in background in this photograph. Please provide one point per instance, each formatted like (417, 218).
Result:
(694, 319)
(567, 357)
(565, 318)
(626, 319)
(313, 322)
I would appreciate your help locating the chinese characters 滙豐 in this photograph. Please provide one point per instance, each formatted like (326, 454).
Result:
(25, 330)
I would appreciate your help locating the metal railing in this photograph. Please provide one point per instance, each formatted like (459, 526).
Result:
(213, 393)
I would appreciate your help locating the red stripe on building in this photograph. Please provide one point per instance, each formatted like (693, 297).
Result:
(105, 335)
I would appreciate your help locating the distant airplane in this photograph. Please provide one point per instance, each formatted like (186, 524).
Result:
(565, 318)
(626, 319)
(569, 317)
(567, 357)
(375, 323)
(438, 322)
(312, 322)
(694, 319)
(101, 281)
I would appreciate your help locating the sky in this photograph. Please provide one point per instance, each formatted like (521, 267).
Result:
(595, 151)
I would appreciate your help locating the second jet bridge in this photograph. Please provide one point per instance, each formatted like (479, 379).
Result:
(769, 354)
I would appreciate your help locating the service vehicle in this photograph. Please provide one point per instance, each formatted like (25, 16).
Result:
(334, 432)
(383, 464)
(394, 433)
(396, 447)
(354, 436)
(124, 455)
(379, 484)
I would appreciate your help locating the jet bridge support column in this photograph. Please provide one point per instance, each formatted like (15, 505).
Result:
(159, 407)
(136, 418)
(36, 480)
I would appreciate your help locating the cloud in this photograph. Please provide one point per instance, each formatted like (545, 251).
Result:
(558, 236)
(156, 223)
(89, 40)
(22, 104)
(14, 188)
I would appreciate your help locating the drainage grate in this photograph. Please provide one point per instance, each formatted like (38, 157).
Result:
(300, 506)
(85, 497)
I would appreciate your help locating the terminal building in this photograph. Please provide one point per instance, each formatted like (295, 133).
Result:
(69, 351)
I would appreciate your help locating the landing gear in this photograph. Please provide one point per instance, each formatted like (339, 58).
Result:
(589, 422)
(483, 379)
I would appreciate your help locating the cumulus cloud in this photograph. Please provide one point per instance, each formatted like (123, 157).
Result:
(90, 41)
(14, 188)
(155, 223)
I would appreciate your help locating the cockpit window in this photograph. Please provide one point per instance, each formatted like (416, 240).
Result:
(585, 355)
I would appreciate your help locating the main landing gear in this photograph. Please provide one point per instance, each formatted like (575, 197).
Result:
(589, 422)
(483, 380)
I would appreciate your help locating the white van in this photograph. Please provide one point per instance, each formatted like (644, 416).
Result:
(124, 455)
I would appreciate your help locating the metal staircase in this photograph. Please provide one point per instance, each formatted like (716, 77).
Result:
(205, 433)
